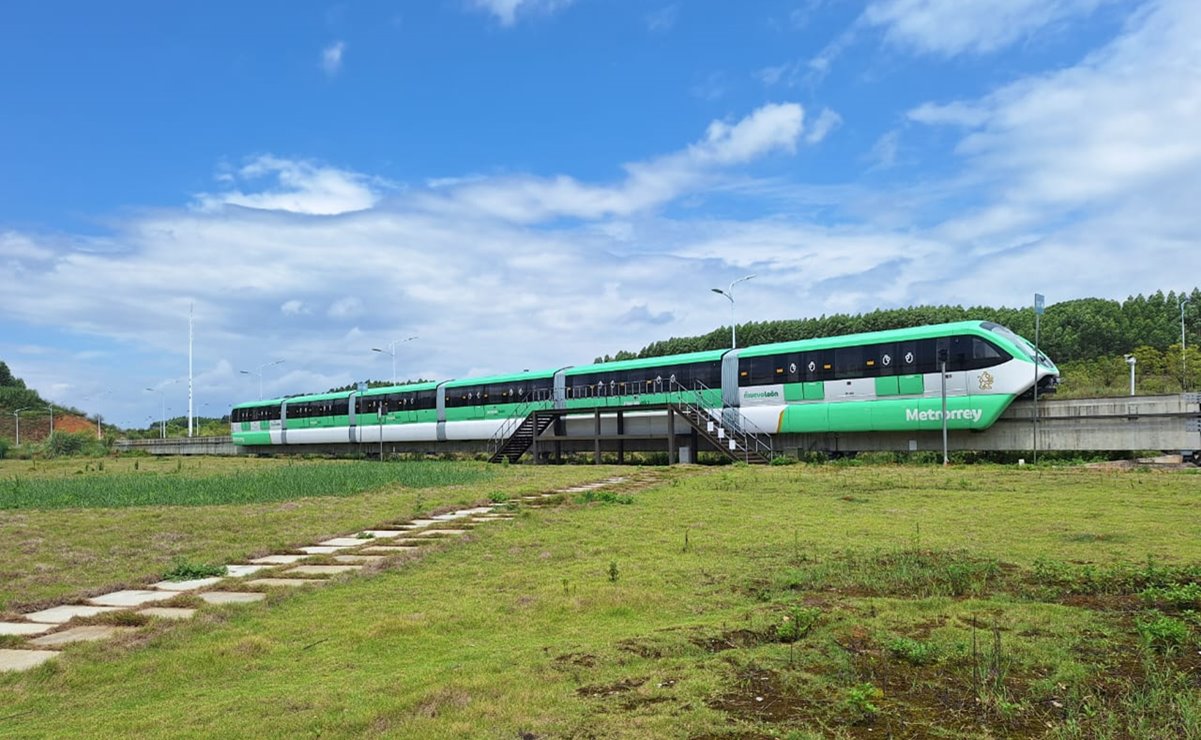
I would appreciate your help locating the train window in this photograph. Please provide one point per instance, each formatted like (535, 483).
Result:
(885, 356)
(984, 354)
(927, 356)
(849, 363)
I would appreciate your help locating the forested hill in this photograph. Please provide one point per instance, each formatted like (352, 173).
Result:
(14, 394)
(1071, 331)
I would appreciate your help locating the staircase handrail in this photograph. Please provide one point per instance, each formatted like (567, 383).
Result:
(743, 429)
(497, 441)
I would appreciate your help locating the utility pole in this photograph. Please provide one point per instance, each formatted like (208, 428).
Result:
(1039, 307)
(191, 310)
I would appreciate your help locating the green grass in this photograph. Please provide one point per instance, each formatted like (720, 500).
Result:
(916, 610)
(177, 487)
(54, 554)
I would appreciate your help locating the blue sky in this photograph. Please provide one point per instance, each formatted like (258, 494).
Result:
(531, 183)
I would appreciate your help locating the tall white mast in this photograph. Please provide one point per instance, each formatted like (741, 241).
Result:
(191, 309)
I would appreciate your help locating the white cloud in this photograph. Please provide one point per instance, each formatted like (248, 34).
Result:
(294, 308)
(331, 58)
(950, 27)
(771, 128)
(957, 113)
(663, 19)
(1118, 123)
(884, 152)
(346, 308)
(508, 11)
(301, 187)
(826, 122)
(787, 74)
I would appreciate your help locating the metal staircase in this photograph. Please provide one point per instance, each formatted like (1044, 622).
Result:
(517, 434)
(732, 433)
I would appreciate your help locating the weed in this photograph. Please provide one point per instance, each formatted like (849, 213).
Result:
(687, 546)
(913, 652)
(860, 702)
(613, 573)
(498, 497)
(604, 497)
(184, 570)
(797, 624)
(364, 536)
(1176, 596)
(1161, 633)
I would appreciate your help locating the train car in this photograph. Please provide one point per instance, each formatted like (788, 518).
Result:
(404, 413)
(888, 381)
(254, 422)
(478, 407)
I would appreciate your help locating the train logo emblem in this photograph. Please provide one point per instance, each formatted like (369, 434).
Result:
(812, 366)
(986, 380)
(886, 360)
(908, 358)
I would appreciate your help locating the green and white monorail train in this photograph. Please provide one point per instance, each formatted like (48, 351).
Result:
(886, 381)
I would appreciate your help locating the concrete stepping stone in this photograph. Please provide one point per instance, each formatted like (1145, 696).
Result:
(417, 523)
(89, 633)
(23, 660)
(168, 612)
(322, 570)
(231, 597)
(240, 571)
(358, 558)
(285, 582)
(447, 532)
(278, 559)
(61, 614)
(131, 597)
(344, 542)
(388, 550)
(191, 585)
(23, 628)
(323, 549)
(383, 534)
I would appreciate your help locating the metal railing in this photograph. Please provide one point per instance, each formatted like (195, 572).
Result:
(534, 403)
(744, 433)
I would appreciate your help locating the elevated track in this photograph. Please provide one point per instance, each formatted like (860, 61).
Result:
(1166, 423)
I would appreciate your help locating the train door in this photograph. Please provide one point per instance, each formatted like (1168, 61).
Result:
(957, 349)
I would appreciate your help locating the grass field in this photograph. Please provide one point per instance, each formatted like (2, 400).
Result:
(72, 529)
(733, 602)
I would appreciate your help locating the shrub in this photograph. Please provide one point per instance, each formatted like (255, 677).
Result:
(797, 624)
(1175, 595)
(860, 702)
(3, 448)
(914, 652)
(1162, 633)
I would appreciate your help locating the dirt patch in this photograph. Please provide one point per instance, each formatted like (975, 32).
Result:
(583, 660)
(642, 648)
(731, 640)
(622, 686)
(762, 695)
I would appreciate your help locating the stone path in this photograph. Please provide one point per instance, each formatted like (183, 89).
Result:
(47, 630)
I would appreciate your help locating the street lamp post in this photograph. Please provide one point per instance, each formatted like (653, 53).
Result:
(259, 372)
(162, 396)
(392, 351)
(729, 294)
(17, 418)
(1183, 361)
(51, 407)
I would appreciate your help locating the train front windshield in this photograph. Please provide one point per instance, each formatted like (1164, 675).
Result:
(1022, 344)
